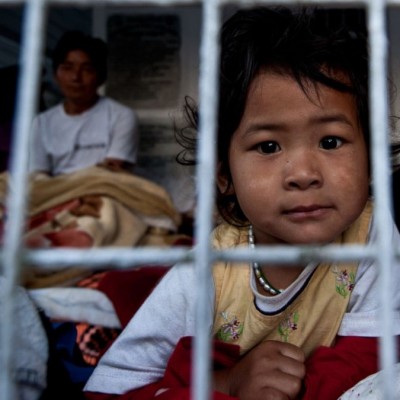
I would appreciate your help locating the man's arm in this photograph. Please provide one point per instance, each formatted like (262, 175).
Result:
(123, 148)
(39, 163)
(39, 175)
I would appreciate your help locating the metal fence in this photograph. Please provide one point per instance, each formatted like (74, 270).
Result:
(13, 255)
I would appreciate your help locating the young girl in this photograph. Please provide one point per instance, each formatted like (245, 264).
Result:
(293, 168)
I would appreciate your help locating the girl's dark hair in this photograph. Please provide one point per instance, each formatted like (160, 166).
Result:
(95, 48)
(306, 44)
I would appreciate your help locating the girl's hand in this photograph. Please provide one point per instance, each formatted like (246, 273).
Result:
(271, 371)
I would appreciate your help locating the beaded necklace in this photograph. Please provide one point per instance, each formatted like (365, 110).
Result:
(257, 270)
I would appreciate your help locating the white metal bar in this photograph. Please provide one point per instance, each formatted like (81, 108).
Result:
(16, 204)
(245, 3)
(85, 3)
(203, 255)
(381, 173)
(119, 257)
(219, 3)
(124, 257)
(209, 64)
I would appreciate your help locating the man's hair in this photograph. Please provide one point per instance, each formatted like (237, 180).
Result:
(309, 45)
(95, 48)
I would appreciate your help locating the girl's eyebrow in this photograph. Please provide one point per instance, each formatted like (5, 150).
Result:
(255, 127)
(319, 119)
(332, 118)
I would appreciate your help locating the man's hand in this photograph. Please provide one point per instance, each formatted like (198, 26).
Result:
(39, 176)
(116, 165)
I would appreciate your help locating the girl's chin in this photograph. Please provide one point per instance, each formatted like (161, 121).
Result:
(312, 238)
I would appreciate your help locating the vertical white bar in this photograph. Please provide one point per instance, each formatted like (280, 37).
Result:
(31, 50)
(209, 63)
(381, 181)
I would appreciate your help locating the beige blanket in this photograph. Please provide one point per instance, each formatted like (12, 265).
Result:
(132, 191)
(94, 208)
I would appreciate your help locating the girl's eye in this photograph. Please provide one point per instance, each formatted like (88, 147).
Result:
(268, 147)
(330, 143)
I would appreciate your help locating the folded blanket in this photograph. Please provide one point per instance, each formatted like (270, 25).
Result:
(93, 207)
(77, 305)
(135, 193)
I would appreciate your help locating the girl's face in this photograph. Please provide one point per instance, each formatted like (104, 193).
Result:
(299, 164)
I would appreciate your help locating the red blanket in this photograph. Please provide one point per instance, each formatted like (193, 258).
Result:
(178, 374)
(330, 371)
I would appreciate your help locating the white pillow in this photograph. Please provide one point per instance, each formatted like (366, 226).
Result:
(369, 388)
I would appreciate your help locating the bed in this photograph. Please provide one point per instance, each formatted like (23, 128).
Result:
(83, 311)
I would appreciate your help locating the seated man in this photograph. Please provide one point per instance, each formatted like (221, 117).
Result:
(85, 129)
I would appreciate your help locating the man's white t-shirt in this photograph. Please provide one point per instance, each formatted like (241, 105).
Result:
(63, 143)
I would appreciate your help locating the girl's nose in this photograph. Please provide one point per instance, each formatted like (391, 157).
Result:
(302, 172)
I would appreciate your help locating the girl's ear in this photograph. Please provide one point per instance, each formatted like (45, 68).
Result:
(224, 184)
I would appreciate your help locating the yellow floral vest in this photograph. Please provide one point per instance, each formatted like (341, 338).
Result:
(311, 318)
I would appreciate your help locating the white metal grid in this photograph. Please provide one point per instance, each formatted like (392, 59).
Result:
(13, 255)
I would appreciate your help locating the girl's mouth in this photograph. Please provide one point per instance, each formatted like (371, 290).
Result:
(314, 211)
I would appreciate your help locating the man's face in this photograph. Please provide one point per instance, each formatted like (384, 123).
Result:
(77, 77)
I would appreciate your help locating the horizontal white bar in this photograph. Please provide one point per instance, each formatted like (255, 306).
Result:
(129, 257)
(246, 3)
(94, 258)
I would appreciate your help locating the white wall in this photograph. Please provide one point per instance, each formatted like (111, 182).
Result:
(157, 94)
